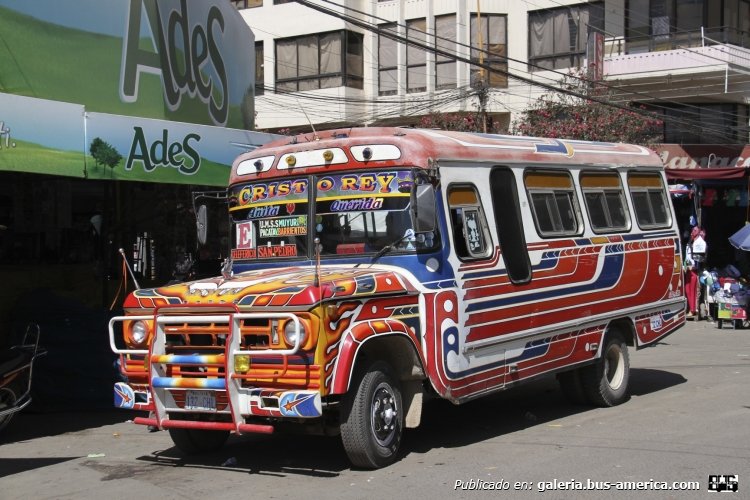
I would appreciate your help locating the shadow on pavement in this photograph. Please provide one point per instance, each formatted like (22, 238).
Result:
(29, 425)
(72, 383)
(279, 455)
(647, 380)
(10, 466)
(444, 425)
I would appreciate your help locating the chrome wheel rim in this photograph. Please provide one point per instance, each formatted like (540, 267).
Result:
(384, 414)
(614, 367)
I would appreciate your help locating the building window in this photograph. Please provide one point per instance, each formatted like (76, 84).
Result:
(354, 60)
(416, 57)
(605, 202)
(737, 21)
(553, 203)
(445, 67)
(319, 61)
(653, 25)
(387, 60)
(247, 4)
(489, 47)
(471, 237)
(649, 200)
(557, 37)
(703, 123)
(259, 74)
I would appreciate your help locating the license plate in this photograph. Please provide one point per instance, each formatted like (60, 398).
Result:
(200, 400)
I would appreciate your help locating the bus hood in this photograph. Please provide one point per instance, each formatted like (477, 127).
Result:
(280, 287)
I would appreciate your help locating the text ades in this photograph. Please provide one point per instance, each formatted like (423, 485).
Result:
(186, 55)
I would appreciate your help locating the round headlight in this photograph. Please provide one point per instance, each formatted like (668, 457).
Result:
(290, 333)
(139, 332)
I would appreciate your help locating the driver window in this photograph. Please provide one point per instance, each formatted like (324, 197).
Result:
(470, 234)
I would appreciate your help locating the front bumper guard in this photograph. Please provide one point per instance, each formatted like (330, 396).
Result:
(242, 402)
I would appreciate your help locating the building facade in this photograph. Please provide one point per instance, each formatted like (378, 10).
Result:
(331, 63)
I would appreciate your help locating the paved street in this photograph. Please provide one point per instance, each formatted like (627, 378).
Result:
(689, 417)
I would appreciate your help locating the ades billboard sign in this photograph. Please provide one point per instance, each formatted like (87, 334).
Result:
(182, 60)
(56, 138)
(126, 89)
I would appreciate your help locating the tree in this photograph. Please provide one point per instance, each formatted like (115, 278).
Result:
(462, 121)
(591, 117)
(104, 153)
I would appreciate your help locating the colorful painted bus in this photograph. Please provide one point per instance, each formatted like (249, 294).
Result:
(372, 268)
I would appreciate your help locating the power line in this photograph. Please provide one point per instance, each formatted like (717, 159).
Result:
(627, 14)
(664, 117)
(418, 44)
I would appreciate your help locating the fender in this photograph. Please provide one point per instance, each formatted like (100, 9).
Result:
(360, 333)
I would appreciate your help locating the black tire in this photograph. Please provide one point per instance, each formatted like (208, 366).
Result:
(192, 441)
(605, 383)
(719, 324)
(572, 388)
(8, 398)
(372, 419)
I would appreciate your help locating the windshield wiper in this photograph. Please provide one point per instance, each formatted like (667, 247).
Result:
(389, 247)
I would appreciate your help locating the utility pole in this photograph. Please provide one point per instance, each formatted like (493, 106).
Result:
(482, 92)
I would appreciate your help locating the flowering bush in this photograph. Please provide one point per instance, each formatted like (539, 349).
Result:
(590, 117)
(462, 121)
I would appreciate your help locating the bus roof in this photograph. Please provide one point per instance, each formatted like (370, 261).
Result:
(384, 147)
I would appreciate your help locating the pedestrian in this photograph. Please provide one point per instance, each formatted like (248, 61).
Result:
(695, 255)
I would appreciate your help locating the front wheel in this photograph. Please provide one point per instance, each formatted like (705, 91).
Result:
(605, 383)
(193, 441)
(7, 400)
(372, 419)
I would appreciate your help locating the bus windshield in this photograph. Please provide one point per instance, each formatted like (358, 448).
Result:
(355, 213)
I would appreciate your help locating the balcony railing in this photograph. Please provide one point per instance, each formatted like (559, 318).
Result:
(677, 40)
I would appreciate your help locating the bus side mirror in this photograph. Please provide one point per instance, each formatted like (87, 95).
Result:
(423, 208)
(201, 221)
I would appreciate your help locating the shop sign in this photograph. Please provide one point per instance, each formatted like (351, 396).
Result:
(41, 136)
(180, 155)
(689, 156)
(56, 138)
(164, 151)
(183, 60)
(186, 57)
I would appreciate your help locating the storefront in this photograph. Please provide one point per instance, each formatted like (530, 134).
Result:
(710, 187)
(109, 121)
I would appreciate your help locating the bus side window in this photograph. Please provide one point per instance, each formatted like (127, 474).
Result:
(470, 233)
(554, 204)
(457, 223)
(649, 200)
(605, 202)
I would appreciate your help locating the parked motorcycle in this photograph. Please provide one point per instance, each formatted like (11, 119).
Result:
(16, 366)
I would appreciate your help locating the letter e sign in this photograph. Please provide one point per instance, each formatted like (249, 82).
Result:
(245, 235)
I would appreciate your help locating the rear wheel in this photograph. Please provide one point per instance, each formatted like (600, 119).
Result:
(605, 383)
(198, 440)
(7, 400)
(372, 419)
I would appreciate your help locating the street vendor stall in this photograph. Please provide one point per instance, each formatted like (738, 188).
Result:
(731, 302)
(730, 293)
